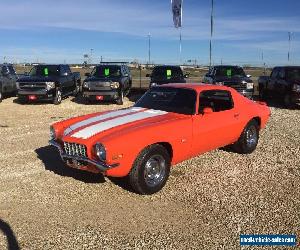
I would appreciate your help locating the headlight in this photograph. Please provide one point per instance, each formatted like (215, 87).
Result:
(50, 85)
(296, 88)
(100, 151)
(86, 84)
(153, 84)
(52, 133)
(114, 85)
(250, 85)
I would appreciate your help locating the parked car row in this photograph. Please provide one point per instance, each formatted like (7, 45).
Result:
(111, 81)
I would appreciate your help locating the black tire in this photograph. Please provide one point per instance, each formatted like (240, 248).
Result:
(120, 99)
(150, 170)
(76, 90)
(248, 140)
(58, 97)
(1, 94)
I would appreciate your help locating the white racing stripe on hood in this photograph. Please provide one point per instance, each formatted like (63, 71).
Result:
(99, 127)
(99, 118)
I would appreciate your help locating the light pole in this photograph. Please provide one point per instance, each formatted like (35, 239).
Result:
(211, 31)
(149, 48)
(290, 40)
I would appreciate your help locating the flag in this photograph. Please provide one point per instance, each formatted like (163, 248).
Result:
(177, 12)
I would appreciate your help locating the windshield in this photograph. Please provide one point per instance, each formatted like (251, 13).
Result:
(169, 73)
(106, 71)
(177, 100)
(230, 71)
(45, 70)
(293, 74)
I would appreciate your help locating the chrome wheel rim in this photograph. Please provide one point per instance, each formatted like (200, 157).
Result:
(155, 169)
(251, 136)
(58, 96)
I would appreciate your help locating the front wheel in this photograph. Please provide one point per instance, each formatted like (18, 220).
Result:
(150, 170)
(58, 97)
(120, 99)
(1, 95)
(248, 140)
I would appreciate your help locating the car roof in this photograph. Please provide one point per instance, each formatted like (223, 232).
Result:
(196, 86)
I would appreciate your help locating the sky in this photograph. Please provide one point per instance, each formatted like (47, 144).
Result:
(245, 32)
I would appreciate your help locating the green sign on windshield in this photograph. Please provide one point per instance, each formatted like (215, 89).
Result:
(106, 72)
(46, 71)
(169, 73)
(228, 72)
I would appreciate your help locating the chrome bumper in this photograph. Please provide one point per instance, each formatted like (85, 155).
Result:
(102, 166)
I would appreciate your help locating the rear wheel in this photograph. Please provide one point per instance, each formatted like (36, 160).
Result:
(150, 170)
(58, 97)
(248, 140)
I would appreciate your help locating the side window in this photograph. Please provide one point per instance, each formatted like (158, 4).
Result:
(218, 100)
(281, 74)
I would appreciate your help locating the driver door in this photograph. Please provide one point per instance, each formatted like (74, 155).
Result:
(219, 128)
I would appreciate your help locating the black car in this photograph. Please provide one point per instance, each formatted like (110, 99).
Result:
(107, 82)
(166, 74)
(8, 78)
(48, 82)
(231, 76)
(284, 84)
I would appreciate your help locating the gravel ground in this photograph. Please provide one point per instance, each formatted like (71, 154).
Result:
(207, 203)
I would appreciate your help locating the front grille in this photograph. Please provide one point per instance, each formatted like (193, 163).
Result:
(98, 86)
(75, 149)
(239, 87)
(32, 86)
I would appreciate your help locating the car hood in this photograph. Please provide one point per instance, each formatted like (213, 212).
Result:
(98, 126)
(235, 79)
(161, 81)
(38, 79)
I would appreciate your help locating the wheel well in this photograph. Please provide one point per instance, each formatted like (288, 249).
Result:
(168, 147)
(258, 120)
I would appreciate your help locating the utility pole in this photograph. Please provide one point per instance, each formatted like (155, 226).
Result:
(149, 48)
(211, 32)
(91, 58)
(290, 40)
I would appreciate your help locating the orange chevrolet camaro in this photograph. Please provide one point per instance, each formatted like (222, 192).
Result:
(167, 125)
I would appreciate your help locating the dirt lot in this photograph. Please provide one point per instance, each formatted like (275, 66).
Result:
(207, 203)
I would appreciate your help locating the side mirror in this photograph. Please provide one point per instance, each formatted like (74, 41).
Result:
(148, 75)
(249, 76)
(87, 74)
(207, 111)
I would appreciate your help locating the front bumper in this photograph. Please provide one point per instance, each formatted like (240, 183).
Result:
(40, 94)
(247, 93)
(107, 95)
(101, 166)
